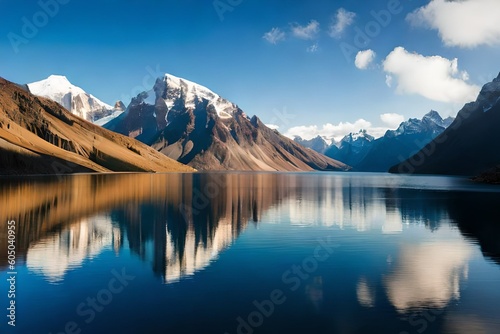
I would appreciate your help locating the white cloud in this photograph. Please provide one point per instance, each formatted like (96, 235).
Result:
(435, 77)
(340, 22)
(313, 48)
(392, 120)
(388, 80)
(272, 126)
(463, 23)
(274, 36)
(364, 59)
(335, 131)
(306, 32)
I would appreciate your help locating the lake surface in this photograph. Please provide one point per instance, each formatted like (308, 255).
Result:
(251, 253)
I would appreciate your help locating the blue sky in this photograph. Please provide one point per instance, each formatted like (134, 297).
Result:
(297, 78)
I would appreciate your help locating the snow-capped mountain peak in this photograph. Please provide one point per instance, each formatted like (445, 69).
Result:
(193, 92)
(433, 116)
(59, 89)
(191, 89)
(318, 143)
(489, 95)
(361, 135)
(193, 125)
(432, 121)
(171, 89)
(53, 85)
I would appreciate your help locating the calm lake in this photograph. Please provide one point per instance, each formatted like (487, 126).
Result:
(251, 253)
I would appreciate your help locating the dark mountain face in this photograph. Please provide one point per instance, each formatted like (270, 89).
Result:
(333, 151)
(397, 145)
(387, 151)
(352, 148)
(193, 125)
(364, 153)
(469, 146)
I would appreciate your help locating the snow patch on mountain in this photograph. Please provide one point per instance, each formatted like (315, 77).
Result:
(361, 135)
(73, 98)
(431, 122)
(171, 89)
(193, 91)
(318, 144)
(109, 118)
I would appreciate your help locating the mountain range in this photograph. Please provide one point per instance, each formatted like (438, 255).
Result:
(469, 146)
(364, 153)
(75, 99)
(317, 144)
(190, 123)
(352, 148)
(193, 125)
(39, 136)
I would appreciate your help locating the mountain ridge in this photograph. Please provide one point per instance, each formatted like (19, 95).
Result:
(59, 89)
(365, 153)
(39, 136)
(397, 145)
(190, 123)
(467, 146)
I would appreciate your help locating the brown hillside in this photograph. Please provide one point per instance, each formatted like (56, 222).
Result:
(38, 136)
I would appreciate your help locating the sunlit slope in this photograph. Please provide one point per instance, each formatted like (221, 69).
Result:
(39, 136)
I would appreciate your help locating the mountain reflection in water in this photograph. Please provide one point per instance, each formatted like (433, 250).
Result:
(180, 224)
(177, 222)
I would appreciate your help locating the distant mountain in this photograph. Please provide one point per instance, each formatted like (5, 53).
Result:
(190, 123)
(317, 144)
(39, 136)
(102, 119)
(469, 146)
(363, 152)
(400, 144)
(352, 149)
(120, 106)
(73, 98)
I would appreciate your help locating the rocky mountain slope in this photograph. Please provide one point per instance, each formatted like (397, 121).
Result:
(363, 152)
(400, 144)
(469, 146)
(39, 136)
(192, 124)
